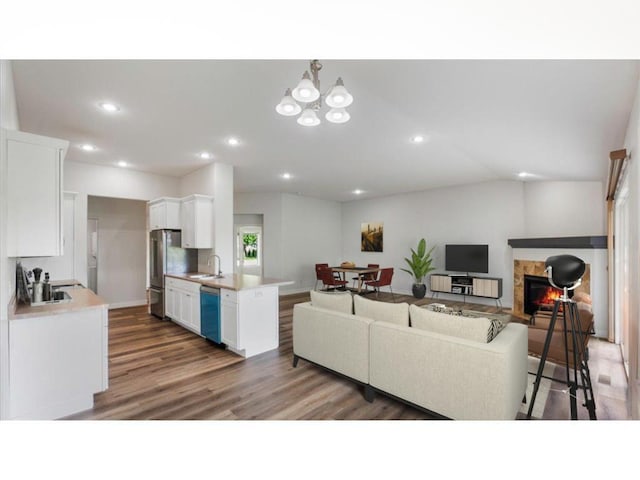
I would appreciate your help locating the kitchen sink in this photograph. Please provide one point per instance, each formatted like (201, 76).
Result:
(206, 277)
(60, 297)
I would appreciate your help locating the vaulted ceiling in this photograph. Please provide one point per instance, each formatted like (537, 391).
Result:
(482, 119)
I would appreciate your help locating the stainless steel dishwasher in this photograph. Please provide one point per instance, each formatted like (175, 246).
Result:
(210, 324)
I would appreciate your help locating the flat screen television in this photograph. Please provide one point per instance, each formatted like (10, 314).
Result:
(467, 258)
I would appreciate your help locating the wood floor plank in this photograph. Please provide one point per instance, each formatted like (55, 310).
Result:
(159, 370)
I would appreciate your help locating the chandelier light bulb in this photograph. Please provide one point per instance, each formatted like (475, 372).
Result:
(288, 106)
(339, 97)
(308, 118)
(338, 115)
(306, 91)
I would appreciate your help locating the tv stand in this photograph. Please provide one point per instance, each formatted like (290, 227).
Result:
(466, 285)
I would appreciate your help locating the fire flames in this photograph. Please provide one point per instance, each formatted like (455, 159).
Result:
(548, 297)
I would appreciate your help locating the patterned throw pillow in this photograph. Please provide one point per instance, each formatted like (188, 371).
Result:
(478, 329)
(494, 329)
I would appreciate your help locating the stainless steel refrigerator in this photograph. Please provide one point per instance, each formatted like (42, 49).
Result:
(167, 256)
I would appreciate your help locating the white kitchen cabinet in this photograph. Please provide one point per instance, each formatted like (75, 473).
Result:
(250, 320)
(196, 217)
(57, 363)
(34, 194)
(164, 213)
(229, 320)
(182, 303)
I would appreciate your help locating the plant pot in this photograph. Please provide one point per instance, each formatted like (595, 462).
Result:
(419, 290)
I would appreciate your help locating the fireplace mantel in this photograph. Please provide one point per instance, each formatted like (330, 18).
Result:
(599, 242)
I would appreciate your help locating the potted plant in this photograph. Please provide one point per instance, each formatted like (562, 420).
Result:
(420, 265)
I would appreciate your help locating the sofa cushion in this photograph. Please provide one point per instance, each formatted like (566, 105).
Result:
(337, 301)
(397, 313)
(478, 329)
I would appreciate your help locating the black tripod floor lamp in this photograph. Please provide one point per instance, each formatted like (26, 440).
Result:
(565, 273)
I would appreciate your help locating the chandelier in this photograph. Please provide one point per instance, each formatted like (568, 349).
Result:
(308, 94)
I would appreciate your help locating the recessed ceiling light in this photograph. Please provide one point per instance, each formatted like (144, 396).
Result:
(233, 141)
(523, 174)
(286, 176)
(205, 155)
(109, 107)
(122, 163)
(357, 192)
(87, 147)
(417, 138)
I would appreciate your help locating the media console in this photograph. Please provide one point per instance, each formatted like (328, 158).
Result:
(467, 285)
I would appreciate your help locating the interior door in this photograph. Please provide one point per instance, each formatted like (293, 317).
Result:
(92, 254)
(249, 249)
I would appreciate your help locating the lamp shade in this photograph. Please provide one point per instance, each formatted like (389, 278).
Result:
(306, 91)
(308, 118)
(338, 115)
(339, 97)
(288, 106)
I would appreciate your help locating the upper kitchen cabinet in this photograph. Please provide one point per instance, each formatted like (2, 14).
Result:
(164, 213)
(34, 194)
(197, 221)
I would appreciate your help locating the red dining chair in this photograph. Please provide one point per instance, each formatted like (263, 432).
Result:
(367, 276)
(328, 280)
(318, 279)
(386, 274)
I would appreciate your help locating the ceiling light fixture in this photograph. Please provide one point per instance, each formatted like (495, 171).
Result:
(205, 155)
(122, 163)
(87, 148)
(523, 174)
(109, 107)
(286, 176)
(233, 141)
(417, 139)
(357, 192)
(308, 93)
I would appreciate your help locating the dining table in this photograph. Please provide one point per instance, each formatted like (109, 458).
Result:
(360, 271)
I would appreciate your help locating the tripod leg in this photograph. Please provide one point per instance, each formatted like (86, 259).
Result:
(583, 359)
(543, 358)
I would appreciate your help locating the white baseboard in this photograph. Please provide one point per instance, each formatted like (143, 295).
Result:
(132, 303)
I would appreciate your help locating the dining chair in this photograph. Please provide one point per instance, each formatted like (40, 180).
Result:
(367, 276)
(318, 278)
(328, 280)
(386, 274)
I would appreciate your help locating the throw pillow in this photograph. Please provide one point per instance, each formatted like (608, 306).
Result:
(478, 329)
(397, 313)
(337, 301)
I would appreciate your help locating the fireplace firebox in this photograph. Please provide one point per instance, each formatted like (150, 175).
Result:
(539, 294)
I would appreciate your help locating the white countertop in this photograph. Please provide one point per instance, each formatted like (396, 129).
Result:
(81, 299)
(232, 281)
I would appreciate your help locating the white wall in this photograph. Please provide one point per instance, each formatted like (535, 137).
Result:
(8, 120)
(485, 213)
(632, 145)
(311, 233)
(297, 233)
(122, 250)
(201, 181)
(118, 182)
(564, 209)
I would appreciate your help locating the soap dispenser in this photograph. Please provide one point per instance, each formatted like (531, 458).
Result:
(46, 288)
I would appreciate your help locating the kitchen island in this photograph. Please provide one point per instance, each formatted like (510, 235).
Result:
(248, 313)
(58, 355)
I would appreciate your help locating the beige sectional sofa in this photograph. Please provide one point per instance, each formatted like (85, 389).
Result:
(455, 367)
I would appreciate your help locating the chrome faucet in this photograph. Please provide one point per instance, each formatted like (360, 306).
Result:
(219, 274)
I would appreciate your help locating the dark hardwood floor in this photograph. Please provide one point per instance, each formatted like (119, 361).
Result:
(158, 370)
